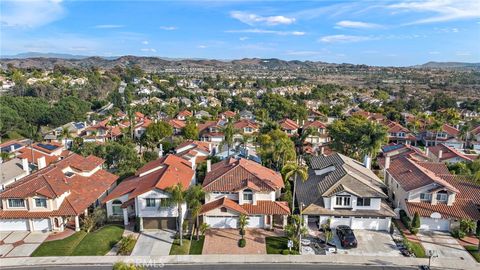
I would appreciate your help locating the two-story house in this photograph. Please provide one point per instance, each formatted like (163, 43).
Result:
(240, 186)
(212, 131)
(42, 154)
(144, 195)
(289, 126)
(422, 187)
(56, 196)
(399, 134)
(341, 191)
(320, 134)
(195, 151)
(447, 135)
(183, 115)
(447, 154)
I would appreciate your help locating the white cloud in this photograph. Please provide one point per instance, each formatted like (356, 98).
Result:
(356, 24)
(145, 42)
(264, 31)
(202, 46)
(30, 13)
(303, 53)
(433, 52)
(344, 39)
(252, 19)
(463, 53)
(168, 28)
(243, 38)
(148, 50)
(443, 10)
(108, 26)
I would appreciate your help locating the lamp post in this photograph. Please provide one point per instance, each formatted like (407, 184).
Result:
(300, 229)
(431, 254)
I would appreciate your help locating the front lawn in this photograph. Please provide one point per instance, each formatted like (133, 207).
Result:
(196, 247)
(64, 247)
(100, 242)
(193, 247)
(276, 245)
(474, 252)
(81, 243)
(415, 247)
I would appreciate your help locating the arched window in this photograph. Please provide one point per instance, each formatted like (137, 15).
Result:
(247, 195)
(117, 208)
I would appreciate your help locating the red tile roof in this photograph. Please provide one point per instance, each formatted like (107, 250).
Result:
(314, 124)
(222, 202)
(261, 208)
(233, 174)
(447, 152)
(27, 153)
(288, 124)
(459, 210)
(228, 114)
(469, 190)
(245, 123)
(185, 113)
(177, 123)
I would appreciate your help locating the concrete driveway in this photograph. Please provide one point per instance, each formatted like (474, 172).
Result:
(20, 243)
(444, 244)
(370, 243)
(225, 241)
(154, 243)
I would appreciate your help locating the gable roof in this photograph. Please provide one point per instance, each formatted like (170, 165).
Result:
(262, 207)
(447, 152)
(288, 124)
(234, 174)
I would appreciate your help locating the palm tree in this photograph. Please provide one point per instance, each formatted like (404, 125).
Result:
(178, 197)
(436, 125)
(242, 223)
(374, 136)
(283, 151)
(65, 135)
(229, 131)
(294, 170)
(194, 196)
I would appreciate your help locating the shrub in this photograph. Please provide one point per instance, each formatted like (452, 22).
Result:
(416, 221)
(414, 230)
(126, 245)
(457, 233)
(468, 226)
(124, 266)
(94, 220)
(242, 242)
(405, 219)
(289, 252)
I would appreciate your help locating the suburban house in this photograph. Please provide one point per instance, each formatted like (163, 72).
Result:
(177, 125)
(183, 115)
(289, 126)
(12, 147)
(144, 196)
(427, 188)
(56, 196)
(194, 151)
(246, 114)
(202, 115)
(42, 154)
(227, 115)
(13, 170)
(447, 154)
(240, 186)
(212, 131)
(245, 126)
(474, 138)
(320, 136)
(399, 134)
(448, 135)
(342, 191)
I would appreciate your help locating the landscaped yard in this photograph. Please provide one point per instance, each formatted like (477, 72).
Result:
(276, 245)
(473, 250)
(193, 247)
(82, 243)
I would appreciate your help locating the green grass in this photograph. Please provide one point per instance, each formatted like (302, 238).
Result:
(176, 249)
(64, 247)
(99, 242)
(196, 247)
(276, 245)
(416, 248)
(82, 243)
(474, 252)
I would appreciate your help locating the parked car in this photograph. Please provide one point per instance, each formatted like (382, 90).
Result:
(346, 236)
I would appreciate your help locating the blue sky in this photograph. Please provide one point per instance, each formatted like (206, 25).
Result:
(383, 33)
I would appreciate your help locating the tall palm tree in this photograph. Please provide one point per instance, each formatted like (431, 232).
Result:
(65, 135)
(194, 196)
(374, 136)
(436, 125)
(178, 197)
(294, 170)
(242, 223)
(229, 131)
(283, 151)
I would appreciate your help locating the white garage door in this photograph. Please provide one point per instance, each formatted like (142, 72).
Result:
(336, 221)
(364, 223)
(13, 225)
(256, 222)
(222, 222)
(41, 224)
(434, 224)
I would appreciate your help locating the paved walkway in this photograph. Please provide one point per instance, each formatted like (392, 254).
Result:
(126, 233)
(225, 241)
(20, 243)
(154, 243)
(60, 235)
(450, 263)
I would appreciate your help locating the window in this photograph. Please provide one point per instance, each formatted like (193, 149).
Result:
(401, 134)
(363, 201)
(223, 210)
(247, 195)
(150, 202)
(425, 196)
(117, 207)
(343, 200)
(41, 202)
(442, 197)
(16, 203)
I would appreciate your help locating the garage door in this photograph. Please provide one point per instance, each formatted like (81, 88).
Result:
(434, 224)
(336, 221)
(222, 222)
(41, 225)
(164, 223)
(256, 222)
(13, 225)
(364, 223)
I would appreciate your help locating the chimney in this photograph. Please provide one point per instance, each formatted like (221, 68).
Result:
(209, 148)
(25, 165)
(12, 148)
(160, 151)
(387, 162)
(209, 165)
(440, 154)
(427, 151)
(41, 163)
(367, 162)
(322, 150)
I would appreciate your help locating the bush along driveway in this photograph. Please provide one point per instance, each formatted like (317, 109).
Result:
(82, 243)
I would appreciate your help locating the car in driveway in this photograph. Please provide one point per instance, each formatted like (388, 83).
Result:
(346, 236)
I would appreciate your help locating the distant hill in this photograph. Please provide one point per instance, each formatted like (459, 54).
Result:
(449, 65)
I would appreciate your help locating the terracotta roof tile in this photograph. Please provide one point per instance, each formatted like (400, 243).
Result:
(460, 209)
(222, 202)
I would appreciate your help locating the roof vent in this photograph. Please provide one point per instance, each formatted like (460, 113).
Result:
(69, 174)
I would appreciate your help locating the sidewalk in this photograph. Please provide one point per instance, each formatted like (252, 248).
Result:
(240, 259)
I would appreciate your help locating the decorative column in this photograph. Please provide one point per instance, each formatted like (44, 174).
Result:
(141, 224)
(77, 224)
(125, 217)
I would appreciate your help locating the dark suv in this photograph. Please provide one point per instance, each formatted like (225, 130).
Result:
(346, 236)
